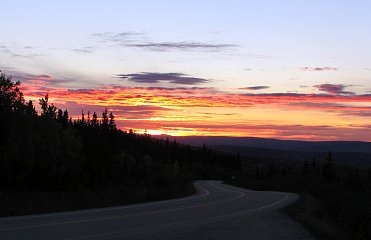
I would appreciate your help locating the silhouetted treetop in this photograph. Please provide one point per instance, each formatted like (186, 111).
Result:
(48, 110)
(11, 97)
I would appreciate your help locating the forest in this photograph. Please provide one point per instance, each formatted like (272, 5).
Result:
(335, 200)
(50, 162)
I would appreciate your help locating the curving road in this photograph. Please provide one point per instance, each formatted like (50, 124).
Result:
(218, 211)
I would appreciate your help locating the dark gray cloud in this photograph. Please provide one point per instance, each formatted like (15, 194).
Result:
(24, 56)
(316, 104)
(121, 37)
(318, 69)
(168, 46)
(5, 49)
(42, 76)
(84, 50)
(141, 40)
(333, 89)
(18, 52)
(152, 77)
(255, 88)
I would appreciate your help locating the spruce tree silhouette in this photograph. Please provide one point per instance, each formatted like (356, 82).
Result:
(48, 110)
(328, 169)
(112, 124)
(104, 123)
(94, 121)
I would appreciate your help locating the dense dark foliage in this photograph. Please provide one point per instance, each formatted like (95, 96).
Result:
(335, 200)
(51, 153)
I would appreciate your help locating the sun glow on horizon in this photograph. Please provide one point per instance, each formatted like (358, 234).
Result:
(178, 112)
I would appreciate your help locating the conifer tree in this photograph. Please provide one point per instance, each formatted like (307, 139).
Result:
(48, 110)
(65, 118)
(82, 117)
(328, 171)
(105, 119)
(94, 121)
(112, 124)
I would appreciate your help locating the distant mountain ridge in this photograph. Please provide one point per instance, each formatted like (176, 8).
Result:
(353, 153)
(291, 145)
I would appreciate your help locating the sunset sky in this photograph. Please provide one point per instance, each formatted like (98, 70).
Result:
(277, 69)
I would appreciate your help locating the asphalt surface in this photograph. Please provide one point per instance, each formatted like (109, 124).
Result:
(218, 211)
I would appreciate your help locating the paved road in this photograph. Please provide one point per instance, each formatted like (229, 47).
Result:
(218, 211)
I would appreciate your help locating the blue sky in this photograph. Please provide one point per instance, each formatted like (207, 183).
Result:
(272, 35)
(302, 47)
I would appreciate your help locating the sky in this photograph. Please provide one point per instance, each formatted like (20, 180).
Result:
(277, 69)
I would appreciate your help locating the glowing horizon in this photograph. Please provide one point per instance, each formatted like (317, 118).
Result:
(208, 112)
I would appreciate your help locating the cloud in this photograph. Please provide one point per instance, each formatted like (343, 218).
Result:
(16, 51)
(46, 79)
(121, 37)
(43, 76)
(83, 50)
(174, 78)
(193, 97)
(208, 111)
(333, 88)
(342, 109)
(168, 46)
(360, 113)
(195, 110)
(40, 82)
(5, 49)
(140, 40)
(318, 69)
(255, 88)
(183, 89)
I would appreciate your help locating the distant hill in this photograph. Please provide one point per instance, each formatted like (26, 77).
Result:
(344, 158)
(353, 153)
(292, 145)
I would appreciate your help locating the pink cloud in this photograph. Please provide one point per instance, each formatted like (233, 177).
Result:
(333, 88)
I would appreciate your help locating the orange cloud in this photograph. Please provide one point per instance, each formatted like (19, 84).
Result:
(206, 111)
